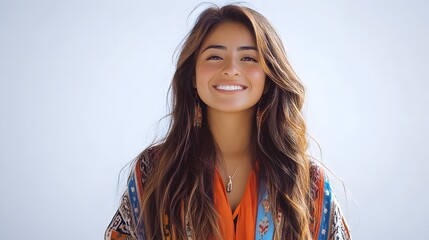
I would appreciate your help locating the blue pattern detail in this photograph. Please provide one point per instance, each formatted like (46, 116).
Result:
(327, 198)
(132, 192)
(135, 206)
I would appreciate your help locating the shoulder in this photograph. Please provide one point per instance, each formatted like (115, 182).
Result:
(138, 176)
(328, 220)
(144, 162)
(318, 181)
(318, 186)
(125, 223)
(320, 191)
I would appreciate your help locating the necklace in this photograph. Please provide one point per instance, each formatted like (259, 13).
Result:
(230, 177)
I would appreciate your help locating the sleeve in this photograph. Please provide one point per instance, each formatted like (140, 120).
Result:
(329, 222)
(125, 224)
(121, 224)
(338, 229)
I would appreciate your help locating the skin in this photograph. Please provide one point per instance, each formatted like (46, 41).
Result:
(228, 59)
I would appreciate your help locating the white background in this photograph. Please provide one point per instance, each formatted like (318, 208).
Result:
(83, 84)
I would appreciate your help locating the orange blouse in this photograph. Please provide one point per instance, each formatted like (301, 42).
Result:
(245, 212)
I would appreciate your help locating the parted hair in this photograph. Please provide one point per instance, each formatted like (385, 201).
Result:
(180, 184)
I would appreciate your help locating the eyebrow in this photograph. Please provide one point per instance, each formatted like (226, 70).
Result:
(242, 48)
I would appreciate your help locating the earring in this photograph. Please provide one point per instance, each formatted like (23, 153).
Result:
(198, 115)
(259, 116)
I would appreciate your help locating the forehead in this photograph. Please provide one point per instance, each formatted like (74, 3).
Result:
(230, 33)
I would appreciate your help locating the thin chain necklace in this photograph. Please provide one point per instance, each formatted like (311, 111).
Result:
(231, 177)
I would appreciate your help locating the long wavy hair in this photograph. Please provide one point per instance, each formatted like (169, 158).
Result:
(180, 182)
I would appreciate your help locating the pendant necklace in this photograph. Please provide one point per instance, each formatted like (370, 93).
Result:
(230, 177)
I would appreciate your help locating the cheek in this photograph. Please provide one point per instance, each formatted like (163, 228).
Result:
(202, 77)
(257, 77)
(199, 75)
(202, 72)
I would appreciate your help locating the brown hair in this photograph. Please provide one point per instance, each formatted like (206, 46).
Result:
(181, 181)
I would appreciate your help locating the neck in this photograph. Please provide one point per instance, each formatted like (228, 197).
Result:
(232, 132)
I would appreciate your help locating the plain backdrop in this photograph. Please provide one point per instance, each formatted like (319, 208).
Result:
(84, 83)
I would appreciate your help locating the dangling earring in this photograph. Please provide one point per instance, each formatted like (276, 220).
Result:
(259, 116)
(198, 115)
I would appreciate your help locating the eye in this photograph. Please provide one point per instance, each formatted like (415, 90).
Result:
(214, 58)
(249, 59)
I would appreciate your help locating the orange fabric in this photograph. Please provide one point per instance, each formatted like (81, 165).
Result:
(246, 209)
(118, 236)
(318, 204)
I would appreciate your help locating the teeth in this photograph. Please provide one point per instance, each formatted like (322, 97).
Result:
(229, 87)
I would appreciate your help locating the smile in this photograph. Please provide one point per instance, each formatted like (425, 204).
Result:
(229, 87)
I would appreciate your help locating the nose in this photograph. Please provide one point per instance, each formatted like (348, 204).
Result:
(231, 68)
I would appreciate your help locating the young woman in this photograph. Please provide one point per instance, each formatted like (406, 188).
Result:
(233, 164)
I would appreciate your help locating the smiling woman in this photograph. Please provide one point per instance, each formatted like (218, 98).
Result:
(233, 164)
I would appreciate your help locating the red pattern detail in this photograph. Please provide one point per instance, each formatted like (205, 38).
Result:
(263, 226)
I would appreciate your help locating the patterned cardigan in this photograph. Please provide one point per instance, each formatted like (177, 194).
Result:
(328, 221)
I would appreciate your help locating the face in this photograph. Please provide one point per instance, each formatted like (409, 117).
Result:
(229, 77)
